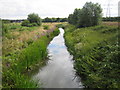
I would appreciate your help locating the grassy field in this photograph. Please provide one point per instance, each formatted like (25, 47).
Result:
(17, 37)
(96, 54)
(24, 48)
(111, 23)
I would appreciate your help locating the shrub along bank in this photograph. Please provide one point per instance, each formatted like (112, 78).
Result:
(16, 65)
(96, 53)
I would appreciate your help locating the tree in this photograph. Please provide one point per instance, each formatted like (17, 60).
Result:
(89, 15)
(73, 18)
(47, 19)
(76, 16)
(54, 19)
(34, 18)
(63, 20)
(70, 17)
(58, 19)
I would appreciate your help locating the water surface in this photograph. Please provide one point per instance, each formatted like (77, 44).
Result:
(59, 71)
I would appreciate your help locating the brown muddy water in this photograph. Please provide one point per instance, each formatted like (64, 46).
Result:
(59, 71)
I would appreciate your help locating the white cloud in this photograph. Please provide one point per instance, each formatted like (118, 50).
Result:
(19, 9)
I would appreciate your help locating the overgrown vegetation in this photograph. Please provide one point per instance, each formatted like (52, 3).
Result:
(89, 15)
(46, 27)
(22, 56)
(96, 53)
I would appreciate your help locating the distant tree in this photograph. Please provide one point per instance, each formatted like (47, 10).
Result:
(63, 20)
(34, 18)
(111, 19)
(58, 19)
(54, 19)
(47, 19)
(5, 21)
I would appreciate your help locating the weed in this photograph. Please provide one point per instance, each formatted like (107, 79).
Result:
(17, 62)
(96, 54)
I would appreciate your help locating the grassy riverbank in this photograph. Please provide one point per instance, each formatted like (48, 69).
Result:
(96, 54)
(24, 48)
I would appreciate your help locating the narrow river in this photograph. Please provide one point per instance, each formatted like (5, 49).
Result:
(59, 71)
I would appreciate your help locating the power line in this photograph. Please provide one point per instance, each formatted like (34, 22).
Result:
(108, 13)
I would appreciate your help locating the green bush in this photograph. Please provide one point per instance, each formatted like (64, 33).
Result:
(30, 25)
(34, 24)
(46, 27)
(25, 23)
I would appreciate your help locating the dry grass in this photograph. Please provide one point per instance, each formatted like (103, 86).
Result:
(36, 33)
(110, 23)
(21, 38)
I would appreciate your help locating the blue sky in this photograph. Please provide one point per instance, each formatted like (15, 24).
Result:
(19, 9)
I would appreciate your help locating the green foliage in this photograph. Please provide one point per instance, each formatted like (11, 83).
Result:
(25, 23)
(4, 29)
(29, 41)
(16, 80)
(60, 26)
(111, 19)
(17, 65)
(34, 18)
(89, 15)
(7, 27)
(54, 19)
(34, 24)
(73, 18)
(46, 27)
(6, 21)
(47, 19)
(96, 54)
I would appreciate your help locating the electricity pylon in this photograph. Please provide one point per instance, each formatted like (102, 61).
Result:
(108, 13)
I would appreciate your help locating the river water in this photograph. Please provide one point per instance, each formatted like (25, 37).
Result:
(59, 71)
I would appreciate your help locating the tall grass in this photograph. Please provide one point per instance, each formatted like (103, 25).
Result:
(16, 65)
(96, 54)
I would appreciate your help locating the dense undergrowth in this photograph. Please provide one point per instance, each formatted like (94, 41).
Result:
(16, 65)
(96, 53)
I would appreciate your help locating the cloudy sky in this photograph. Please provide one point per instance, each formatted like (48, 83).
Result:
(19, 9)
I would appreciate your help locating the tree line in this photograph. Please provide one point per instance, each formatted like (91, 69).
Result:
(47, 19)
(112, 19)
(34, 20)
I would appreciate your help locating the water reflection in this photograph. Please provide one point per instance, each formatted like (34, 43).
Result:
(59, 71)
